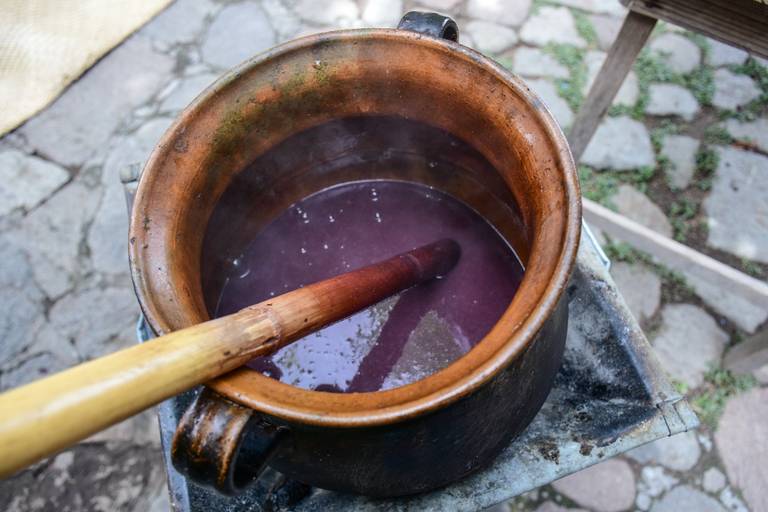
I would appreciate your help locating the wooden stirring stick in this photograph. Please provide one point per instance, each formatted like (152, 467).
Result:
(46, 416)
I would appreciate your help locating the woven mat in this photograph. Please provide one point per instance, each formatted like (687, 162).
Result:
(46, 44)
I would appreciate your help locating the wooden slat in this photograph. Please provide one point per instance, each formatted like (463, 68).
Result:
(740, 23)
(676, 255)
(632, 36)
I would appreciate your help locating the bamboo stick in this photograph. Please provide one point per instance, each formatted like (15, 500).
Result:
(39, 419)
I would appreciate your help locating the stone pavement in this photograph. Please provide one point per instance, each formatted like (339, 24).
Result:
(684, 151)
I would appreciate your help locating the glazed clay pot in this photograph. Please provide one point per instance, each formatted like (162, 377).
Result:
(322, 110)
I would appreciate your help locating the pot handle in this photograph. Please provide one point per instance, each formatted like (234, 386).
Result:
(208, 442)
(431, 24)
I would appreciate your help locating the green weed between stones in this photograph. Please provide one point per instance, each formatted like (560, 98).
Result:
(706, 164)
(680, 213)
(573, 59)
(759, 106)
(716, 134)
(597, 186)
(621, 251)
(752, 268)
(584, 28)
(719, 385)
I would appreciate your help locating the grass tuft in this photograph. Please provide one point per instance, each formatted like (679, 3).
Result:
(719, 385)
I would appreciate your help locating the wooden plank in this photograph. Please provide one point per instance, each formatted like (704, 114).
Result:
(632, 36)
(740, 23)
(749, 355)
(676, 255)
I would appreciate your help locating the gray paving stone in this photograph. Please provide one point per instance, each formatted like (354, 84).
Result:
(81, 120)
(182, 22)
(185, 91)
(285, 21)
(629, 90)
(108, 235)
(744, 313)
(25, 181)
(557, 105)
(640, 286)
(620, 143)
(737, 206)
(654, 480)
(606, 29)
(238, 32)
(678, 52)
(532, 62)
(332, 12)
(761, 374)
(680, 151)
(671, 100)
(551, 25)
(680, 357)
(687, 498)
(551, 506)
(731, 501)
(596, 6)
(721, 54)
(680, 452)
(713, 480)
(637, 206)
(383, 13)
(490, 37)
(499, 11)
(93, 476)
(732, 90)
(44, 352)
(22, 311)
(643, 501)
(741, 442)
(51, 235)
(605, 487)
(441, 5)
(97, 320)
(754, 132)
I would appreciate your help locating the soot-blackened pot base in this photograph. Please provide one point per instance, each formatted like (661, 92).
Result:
(336, 222)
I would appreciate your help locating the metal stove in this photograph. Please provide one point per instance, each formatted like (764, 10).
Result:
(610, 396)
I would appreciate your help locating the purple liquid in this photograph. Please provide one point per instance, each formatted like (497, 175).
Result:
(404, 338)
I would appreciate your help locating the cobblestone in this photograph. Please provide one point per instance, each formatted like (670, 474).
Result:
(685, 361)
(551, 25)
(25, 181)
(732, 90)
(737, 206)
(754, 132)
(605, 487)
(239, 31)
(678, 52)
(680, 151)
(607, 149)
(740, 439)
(637, 206)
(672, 100)
(499, 11)
(532, 62)
(79, 123)
(490, 37)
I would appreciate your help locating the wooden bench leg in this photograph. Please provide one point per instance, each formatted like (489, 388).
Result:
(632, 37)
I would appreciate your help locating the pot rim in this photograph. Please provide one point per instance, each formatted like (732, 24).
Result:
(251, 389)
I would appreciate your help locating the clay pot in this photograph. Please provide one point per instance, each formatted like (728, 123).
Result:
(319, 111)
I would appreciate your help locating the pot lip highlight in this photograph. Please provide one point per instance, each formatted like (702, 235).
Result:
(290, 404)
